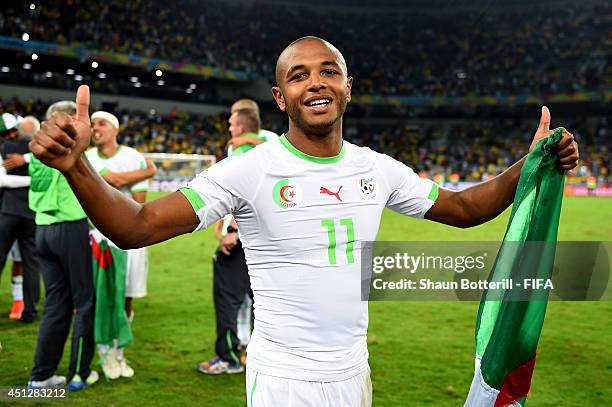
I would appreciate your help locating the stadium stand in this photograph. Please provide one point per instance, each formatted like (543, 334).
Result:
(474, 150)
(458, 52)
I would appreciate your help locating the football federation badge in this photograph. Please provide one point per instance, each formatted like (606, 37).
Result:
(367, 188)
(287, 194)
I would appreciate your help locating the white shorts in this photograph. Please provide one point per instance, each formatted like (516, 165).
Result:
(15, 254)
(271, 391)
(136, 275)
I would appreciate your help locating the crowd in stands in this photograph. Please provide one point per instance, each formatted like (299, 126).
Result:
(474, 150)
(537, 50)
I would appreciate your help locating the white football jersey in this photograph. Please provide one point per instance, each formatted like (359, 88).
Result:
(302, 221)
(268, 135)
(125, 159)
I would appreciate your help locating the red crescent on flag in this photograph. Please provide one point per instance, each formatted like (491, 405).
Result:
(282, 193)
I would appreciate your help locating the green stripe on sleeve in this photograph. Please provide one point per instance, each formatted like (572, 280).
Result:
(193, 197)
(140, 190)
(433, 194)
(103, 171)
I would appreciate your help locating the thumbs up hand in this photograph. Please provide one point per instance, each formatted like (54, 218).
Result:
(567, 148)
(62, 139)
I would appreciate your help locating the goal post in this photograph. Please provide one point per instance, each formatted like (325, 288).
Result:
(175, 170)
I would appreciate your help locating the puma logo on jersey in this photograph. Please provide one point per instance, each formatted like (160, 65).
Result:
(324, 190)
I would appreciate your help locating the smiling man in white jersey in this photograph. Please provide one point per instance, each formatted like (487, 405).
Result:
(301, 243)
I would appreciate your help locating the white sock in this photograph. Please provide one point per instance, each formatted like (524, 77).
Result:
(17, 288)
(103, 350)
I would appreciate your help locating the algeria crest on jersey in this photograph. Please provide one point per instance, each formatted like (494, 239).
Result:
(287, 194)
(367, 188)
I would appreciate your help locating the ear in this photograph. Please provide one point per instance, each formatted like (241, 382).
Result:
(279, 98)
(349, 86)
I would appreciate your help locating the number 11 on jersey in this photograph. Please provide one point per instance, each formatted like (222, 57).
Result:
(330, 224)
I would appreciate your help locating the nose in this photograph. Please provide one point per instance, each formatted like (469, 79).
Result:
(316, 83)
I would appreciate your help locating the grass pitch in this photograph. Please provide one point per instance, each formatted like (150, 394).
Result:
(421, 353)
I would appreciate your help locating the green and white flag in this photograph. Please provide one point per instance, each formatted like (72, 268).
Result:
(507, 331)
(109, 267)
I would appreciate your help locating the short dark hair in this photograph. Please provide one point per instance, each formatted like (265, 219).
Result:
(249, 119)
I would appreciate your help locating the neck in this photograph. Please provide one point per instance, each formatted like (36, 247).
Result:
(107, 150)
(324, 144)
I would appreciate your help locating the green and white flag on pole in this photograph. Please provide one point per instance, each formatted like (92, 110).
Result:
(507, 328)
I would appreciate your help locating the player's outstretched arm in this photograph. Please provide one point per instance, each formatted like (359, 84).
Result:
(483, 202)
(121, 179)
(60, 144)
(478, 204)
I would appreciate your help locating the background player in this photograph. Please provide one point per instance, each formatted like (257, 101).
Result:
(232, 294)
(245, 313)
(26, 129)
(130, 276)
(264, 135)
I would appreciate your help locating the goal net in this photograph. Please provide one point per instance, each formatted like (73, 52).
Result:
(175, 170)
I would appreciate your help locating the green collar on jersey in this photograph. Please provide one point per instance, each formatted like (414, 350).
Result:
(313, 159)
(103, 157)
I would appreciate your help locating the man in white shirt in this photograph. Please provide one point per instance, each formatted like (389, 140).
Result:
(109, 155)
(302, 213)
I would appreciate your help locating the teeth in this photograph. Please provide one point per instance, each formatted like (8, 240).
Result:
(318, 102)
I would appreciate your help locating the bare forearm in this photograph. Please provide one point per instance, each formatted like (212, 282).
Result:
(478, 204)
(487, 200)
(218, 229)
(127, 223)
(252, 140)
(133, 177)
(115, 215)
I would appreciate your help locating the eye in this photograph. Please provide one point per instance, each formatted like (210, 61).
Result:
(330, 72)
(298, 76)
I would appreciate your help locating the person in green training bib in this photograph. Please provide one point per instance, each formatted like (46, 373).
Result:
(64, 254)
(302, 216)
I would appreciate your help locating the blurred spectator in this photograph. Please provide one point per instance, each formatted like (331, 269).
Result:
(532, 49)
(472, 149)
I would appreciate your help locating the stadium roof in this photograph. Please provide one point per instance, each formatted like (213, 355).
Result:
(441, 5)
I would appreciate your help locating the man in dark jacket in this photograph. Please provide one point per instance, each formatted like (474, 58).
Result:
(17, 219)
